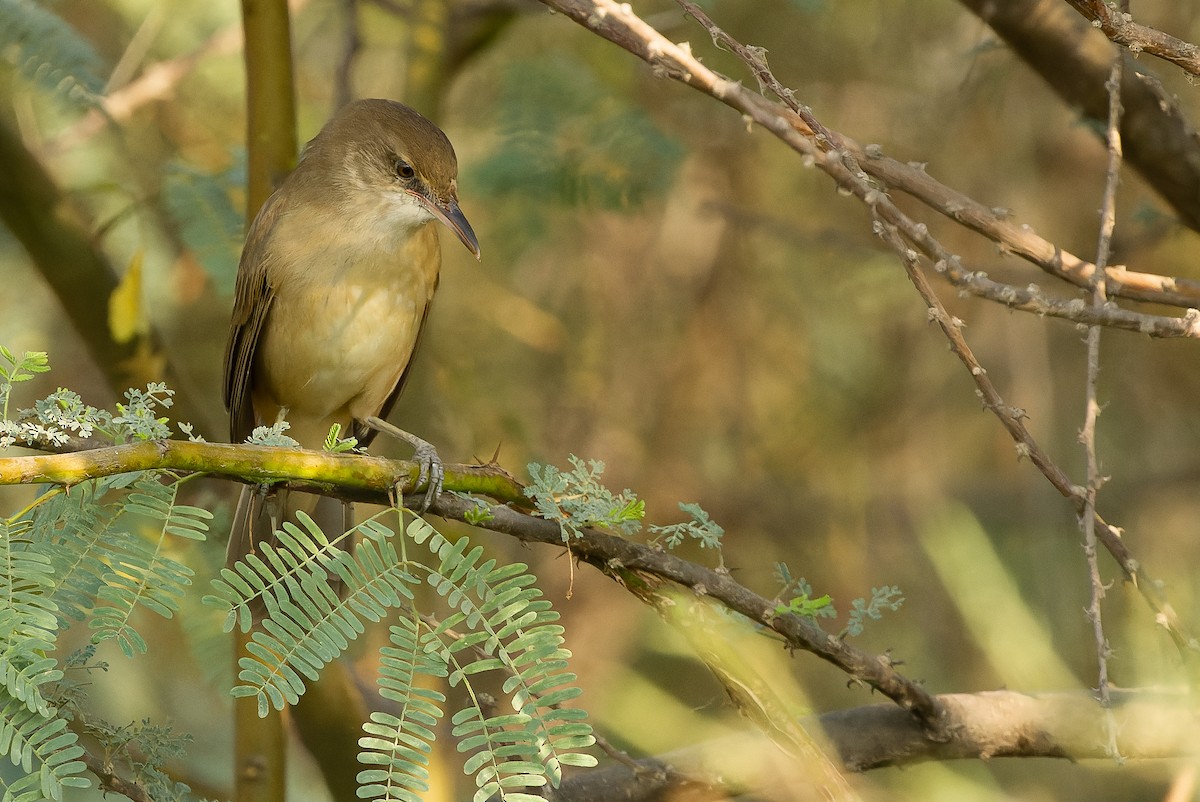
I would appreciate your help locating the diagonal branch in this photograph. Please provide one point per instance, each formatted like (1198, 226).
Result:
(618, 24)
(643, 570)
(1119, 26)
(993, 724)
(1074, 58)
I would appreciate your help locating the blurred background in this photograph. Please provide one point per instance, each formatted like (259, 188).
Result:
(666, 290)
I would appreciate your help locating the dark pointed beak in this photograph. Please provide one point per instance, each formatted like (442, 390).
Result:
(454, 219)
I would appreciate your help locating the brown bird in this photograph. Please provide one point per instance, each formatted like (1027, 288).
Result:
(333, 290)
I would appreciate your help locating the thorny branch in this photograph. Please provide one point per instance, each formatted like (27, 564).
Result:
(1118, 25)
(859, 171)
(617, 23)
(1108, 221)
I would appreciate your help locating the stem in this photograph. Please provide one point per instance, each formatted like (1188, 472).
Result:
(1092, 410)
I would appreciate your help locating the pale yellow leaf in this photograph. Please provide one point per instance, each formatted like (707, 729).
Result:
(126, 317)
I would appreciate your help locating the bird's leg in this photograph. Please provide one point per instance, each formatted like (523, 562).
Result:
(432, 474)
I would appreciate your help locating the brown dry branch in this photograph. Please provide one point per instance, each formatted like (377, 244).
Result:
(617, 23)
(993, 724)
(1012, 418)
(947, 264)
(1087, 435)
(645, 572)
(1119, 27)
(1018, 238)
(157, 82)
(1073, 58)
(111, 782)
(993, 223)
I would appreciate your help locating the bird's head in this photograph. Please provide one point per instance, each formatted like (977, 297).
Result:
(387, 150)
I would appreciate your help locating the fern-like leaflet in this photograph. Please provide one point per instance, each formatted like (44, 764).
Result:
(42, 746)
(498, 622)
(48, 51)
(143, 574)
(79, 536)
(28, 620)
(307, 625)
(398, 746)
(511, 628)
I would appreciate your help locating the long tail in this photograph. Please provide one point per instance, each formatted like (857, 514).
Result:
(259, 514)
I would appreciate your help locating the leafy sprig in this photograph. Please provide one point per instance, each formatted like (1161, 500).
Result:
(796, 597)
(336, 444)
(273, 435)
(576, 499)
(701, 528)
(887, 597)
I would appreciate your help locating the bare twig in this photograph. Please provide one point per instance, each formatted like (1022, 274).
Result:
(1012, 418)
(606, 746)
(617, 23)
(992, 223)
(1108, 220)
(644, 570)
(1118, 25)
(1073, 58)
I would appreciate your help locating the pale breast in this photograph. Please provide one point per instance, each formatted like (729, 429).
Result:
(340, 335)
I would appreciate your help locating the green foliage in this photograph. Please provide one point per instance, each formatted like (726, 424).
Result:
(510, 628)
(397, 747)
(13, 370)
(139, 750)
(211, 225)
(61, 415)
(105, 549)
(576, 500)
(701, 528)
(568, 137)
(336, 444)
(137, 419)
(307, 625)
(479, 512)
(498, 622)
(42, 746)
(49, 52)
(803, 603)
(28, 624)
(96, 553)
(147, 577)
(272, 436)
(884, 598)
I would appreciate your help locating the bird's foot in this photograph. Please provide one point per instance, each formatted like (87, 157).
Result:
(432, 471)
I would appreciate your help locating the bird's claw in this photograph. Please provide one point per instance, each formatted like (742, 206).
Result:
(432, 474)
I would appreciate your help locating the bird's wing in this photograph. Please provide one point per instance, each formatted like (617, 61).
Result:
(252, 303)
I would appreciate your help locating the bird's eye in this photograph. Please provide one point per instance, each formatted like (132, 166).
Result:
(404, 170)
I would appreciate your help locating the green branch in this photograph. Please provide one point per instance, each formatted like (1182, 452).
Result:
(348, 476)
